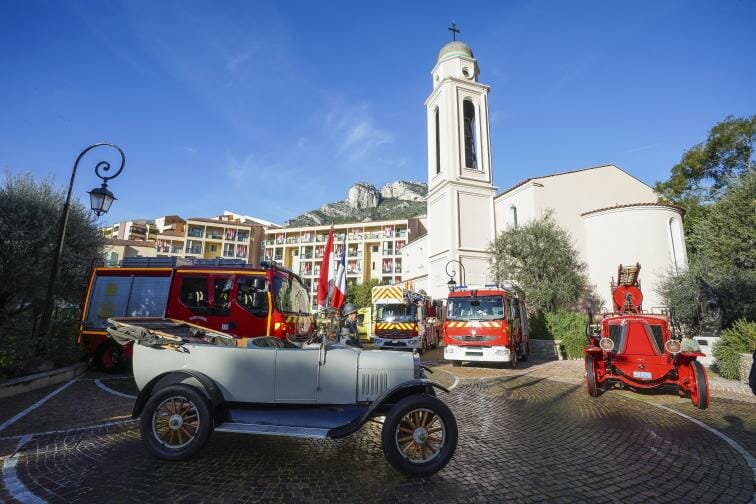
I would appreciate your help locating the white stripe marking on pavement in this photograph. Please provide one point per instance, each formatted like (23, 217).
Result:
(111, 391)
(10, 477)
(36, 405)
(456, 382)
(750, 459)
(72, 430)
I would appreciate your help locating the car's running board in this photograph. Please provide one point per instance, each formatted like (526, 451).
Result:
(273, 430)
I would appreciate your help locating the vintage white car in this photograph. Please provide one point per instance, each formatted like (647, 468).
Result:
(193, 381)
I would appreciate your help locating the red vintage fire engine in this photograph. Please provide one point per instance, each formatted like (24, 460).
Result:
(238, 299)
(488, 324)
(641, 349)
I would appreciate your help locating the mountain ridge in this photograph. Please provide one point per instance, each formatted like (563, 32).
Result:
(401, 199)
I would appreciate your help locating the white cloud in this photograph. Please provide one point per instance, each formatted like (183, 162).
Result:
(362, 140)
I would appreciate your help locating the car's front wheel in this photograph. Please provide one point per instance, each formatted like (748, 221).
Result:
(419, 435)
(176, 422)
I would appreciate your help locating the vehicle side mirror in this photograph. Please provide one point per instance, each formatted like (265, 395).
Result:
(259, 299)
(258, 284)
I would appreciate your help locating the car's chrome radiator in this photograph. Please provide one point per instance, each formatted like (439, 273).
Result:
(372, 385)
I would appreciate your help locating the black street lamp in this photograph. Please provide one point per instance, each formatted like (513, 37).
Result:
(100, 200)
(451, 284)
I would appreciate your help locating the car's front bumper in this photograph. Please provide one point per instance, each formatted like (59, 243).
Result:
(413, 343)
(477, 353)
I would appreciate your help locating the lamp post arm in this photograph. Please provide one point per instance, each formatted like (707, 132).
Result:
(44, 325)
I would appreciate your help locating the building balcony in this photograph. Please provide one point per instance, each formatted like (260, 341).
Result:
(193, 250)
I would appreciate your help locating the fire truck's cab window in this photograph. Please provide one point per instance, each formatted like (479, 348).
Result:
(251, 292)
(194, 293)
(396, 313)
(475, 308)
(108, 299)
(222, 296)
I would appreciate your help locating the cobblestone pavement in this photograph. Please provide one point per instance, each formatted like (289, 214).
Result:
(523, 437)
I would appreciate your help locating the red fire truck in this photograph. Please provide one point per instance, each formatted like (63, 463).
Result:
(240, 300)
(486, 324)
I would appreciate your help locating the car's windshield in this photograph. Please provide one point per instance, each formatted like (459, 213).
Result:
(396, 313)
(475, 308)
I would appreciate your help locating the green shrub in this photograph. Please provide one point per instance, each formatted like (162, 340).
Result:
(563, 325)
(740, 338)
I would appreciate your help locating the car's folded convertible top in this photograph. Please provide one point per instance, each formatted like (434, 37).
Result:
(157, 332)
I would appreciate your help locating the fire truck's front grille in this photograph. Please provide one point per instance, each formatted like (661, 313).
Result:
(373, 384)
(460, 337)
(394, 334)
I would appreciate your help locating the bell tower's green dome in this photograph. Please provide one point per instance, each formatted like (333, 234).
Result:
(453, 49)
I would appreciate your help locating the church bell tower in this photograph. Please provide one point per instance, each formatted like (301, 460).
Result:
(460, 197)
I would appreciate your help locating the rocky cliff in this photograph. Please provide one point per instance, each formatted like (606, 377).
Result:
(364, 203)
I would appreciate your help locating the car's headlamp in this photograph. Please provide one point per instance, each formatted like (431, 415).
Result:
(672, 346)
(606, 344)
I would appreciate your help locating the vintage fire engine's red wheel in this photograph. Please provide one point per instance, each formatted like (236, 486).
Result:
(590, 376)
(699, 394)
(110, 357)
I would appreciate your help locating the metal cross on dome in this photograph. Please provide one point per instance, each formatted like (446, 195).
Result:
(453, 28)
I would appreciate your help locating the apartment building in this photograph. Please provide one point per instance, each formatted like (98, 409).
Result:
(227, 236)
(373, 249)
(132, 230)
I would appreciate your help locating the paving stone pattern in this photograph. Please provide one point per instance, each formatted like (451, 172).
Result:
(523, 438)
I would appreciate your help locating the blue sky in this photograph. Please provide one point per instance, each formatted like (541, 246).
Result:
(271, 109)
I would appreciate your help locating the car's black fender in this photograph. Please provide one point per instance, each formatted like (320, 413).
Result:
(211, 390)
(384, 401)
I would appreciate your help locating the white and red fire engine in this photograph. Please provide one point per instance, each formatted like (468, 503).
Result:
(486, 324)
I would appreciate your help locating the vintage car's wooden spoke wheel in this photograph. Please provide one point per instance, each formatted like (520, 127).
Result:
(699, 390)
(419, 435)
(176, 422)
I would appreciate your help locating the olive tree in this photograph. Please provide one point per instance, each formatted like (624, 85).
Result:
(29, 215)
(542, 259)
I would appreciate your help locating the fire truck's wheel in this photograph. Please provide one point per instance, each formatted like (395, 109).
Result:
(699, 394)
(110, 357)
(176, 422)
(456, 363)
(590, 376)
(419, 435)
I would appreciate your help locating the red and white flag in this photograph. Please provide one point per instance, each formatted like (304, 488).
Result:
(327, 273)
(340, 285)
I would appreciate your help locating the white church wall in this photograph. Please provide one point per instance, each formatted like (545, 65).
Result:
(571, 194)
(520, 202)
(415, 263)
(648, 235)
